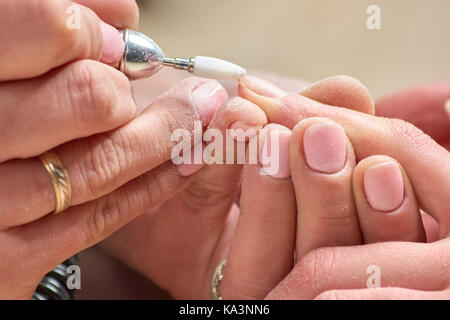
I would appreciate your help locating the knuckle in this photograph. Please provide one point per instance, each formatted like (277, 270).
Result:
(105, 214)
(317, 266)
(105, 163)
(404, 131)
(92, 95)
(156, 188)
(206, 193)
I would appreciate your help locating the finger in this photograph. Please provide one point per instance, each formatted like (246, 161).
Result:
(423, 106)
(236, 115)
(286, 83)
(51, 34)
(118, 13)
(262, 249)
(54, 238)
(101, 163)
(388, 264)
(204, 209)
(341, 91)
(322, 162)
(372, 135)
(385, 201)
(338, 91)
(78, 100)
(214, 188)
(384, 294)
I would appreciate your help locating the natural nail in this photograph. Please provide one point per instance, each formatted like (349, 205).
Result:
(274, 154)
(325, 147)
(113, 46)
(383, 186)
(207, 98)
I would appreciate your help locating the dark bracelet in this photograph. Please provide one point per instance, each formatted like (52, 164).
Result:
(54, 284)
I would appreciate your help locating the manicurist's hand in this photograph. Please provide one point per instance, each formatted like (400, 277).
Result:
(67, 118)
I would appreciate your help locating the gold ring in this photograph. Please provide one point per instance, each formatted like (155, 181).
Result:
(60, 180)
(217, 279)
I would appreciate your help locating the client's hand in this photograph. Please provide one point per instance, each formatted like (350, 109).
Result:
(338, 203)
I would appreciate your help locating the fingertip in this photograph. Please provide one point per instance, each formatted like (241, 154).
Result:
(239, 109)
(387, 207)
(261, 93)
(119, 13)
(113, 45)
(341, 91)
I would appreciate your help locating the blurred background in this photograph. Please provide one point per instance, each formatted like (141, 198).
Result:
(310, 39)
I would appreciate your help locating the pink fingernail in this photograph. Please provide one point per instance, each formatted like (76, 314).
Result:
(383, 186)
(325, 147)
(207, 98)
(113, 46)
(274, 155)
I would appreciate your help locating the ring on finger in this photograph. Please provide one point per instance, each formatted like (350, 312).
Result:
(60, 180)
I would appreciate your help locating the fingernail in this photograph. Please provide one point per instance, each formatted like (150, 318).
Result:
(274, 155)
(243, 132)
(262, 87)
(207, 98)
(113, 46)
(383, 186)
(325, 147)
